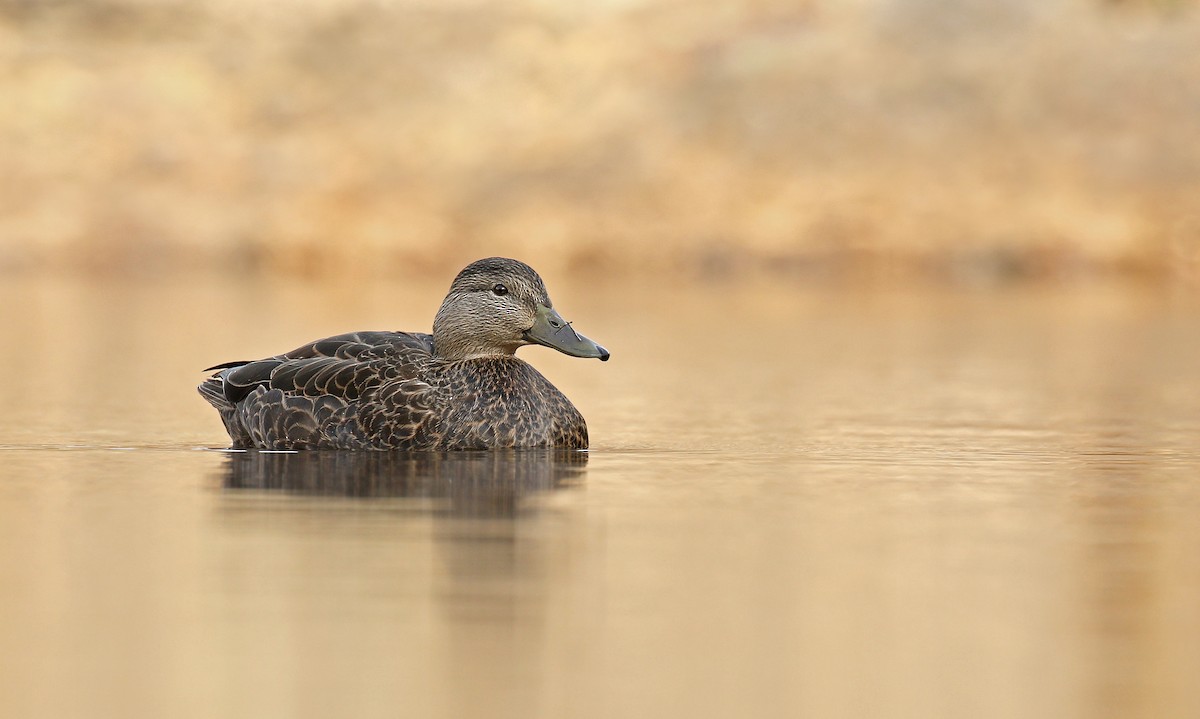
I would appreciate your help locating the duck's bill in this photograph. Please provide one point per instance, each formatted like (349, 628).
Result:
(550, 329)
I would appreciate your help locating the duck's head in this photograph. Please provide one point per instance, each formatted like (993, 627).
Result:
(497, 305)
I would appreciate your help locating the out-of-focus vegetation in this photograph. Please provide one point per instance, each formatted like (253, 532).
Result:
(968, 137)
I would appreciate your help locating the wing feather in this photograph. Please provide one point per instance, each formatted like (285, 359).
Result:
(344, 365)
(308, 397)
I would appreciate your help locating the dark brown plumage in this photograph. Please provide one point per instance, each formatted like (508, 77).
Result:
(459, 388)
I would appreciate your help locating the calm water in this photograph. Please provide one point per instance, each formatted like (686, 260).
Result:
(799, 502)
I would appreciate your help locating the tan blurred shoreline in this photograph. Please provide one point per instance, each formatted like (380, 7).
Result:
(865, 138)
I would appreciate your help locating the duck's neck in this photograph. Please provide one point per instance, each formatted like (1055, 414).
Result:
(456, 339)
(453, 352)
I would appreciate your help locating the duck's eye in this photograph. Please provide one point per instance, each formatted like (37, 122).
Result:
(500, 290)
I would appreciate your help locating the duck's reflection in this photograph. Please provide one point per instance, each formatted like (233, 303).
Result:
(485, 483)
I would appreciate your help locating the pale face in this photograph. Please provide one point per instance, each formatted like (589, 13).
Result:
(497, 305)
(487, 313)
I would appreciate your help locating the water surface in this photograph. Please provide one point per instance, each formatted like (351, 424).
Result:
(799, 502)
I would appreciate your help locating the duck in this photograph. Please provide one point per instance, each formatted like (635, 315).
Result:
(460, 387)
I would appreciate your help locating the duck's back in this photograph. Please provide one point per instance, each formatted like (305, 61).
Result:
(387, 390)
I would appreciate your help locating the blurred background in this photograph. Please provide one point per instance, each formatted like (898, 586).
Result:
(977, 140)
(929, 451)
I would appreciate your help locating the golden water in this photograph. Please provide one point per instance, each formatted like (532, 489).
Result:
(799, 502)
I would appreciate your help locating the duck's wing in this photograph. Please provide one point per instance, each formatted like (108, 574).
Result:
(305, 398)
(343, 366)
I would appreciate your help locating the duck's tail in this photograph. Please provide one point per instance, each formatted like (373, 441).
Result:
(213, 390)
(210, 389)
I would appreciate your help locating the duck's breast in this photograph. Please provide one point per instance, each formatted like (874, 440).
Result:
(504, 402)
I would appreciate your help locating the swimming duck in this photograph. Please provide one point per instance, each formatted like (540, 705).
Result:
(458, 388)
